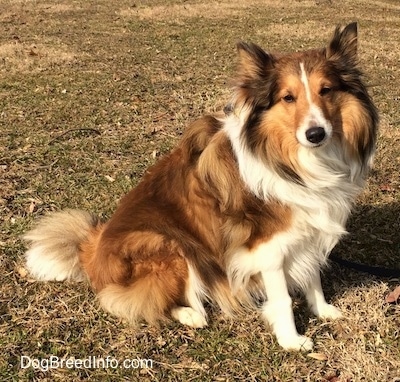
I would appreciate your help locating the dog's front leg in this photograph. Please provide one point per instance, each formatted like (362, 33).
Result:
(278, 312)
(316, 299)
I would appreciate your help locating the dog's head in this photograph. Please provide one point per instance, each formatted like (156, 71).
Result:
(307, 100)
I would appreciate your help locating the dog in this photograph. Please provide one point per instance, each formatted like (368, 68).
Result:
(244, 211)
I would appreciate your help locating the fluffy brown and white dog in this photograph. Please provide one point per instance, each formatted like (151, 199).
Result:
(245, 206)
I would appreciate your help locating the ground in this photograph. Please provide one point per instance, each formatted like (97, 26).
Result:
(91, 93)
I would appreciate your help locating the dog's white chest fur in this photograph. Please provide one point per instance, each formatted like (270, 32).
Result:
(319, 211)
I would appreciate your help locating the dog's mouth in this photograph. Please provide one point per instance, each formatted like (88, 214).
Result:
(319, 145)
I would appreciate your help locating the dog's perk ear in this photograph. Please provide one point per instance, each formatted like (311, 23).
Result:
(253, 61)
(344, 44)
(255, 78)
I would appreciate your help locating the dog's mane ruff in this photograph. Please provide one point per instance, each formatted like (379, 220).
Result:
(340, 166)
(331, 177)
(320, 193)
(319, 210)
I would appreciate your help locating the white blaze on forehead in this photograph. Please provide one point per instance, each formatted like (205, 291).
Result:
(304, 80)
(314, 117)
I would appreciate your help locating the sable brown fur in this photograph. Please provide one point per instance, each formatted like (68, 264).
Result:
(191, 206)
(246, 205)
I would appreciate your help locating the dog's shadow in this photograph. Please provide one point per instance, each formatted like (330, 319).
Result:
(373, 241)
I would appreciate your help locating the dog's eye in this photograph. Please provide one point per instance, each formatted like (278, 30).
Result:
(288, 98)
(325, 90)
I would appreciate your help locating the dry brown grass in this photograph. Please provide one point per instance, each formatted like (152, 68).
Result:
(209, 10)
(133, 74)
(18, 57)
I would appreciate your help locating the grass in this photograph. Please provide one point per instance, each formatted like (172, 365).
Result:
(93, 92)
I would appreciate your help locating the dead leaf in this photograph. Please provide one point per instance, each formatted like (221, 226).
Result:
(22, 272)
(31, 208)
(393, 296)
(387, 188)
(318, 356)
(33, 51)
(333, 378)
(109, 178)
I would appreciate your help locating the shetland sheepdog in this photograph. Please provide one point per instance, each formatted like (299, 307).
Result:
(245, 209)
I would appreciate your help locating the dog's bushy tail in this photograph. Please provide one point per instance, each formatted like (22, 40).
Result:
(55, 243)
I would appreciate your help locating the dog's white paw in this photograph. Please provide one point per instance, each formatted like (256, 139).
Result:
(189, 316)
(298, 342)
(328, 312)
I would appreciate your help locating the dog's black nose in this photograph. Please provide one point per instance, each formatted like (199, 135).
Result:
(315, 134)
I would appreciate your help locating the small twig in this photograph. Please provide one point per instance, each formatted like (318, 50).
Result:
(73, 130)
(48, 166)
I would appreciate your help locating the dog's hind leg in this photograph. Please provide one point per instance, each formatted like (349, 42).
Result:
(193, 315)
(188, 316)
